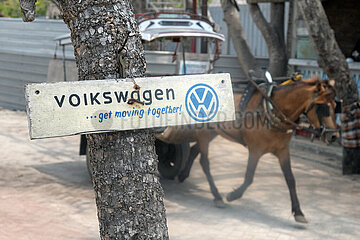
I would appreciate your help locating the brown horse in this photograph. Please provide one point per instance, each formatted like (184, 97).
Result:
(292, 100)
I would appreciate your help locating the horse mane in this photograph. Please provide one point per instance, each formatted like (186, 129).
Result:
(314, 80)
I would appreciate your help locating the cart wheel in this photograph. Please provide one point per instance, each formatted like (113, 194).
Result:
(172, 158)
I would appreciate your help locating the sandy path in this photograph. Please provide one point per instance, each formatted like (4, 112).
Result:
(45, 193)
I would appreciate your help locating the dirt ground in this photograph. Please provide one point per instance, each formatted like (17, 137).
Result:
(45, 193)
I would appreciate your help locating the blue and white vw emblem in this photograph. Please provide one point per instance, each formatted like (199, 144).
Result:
(202, 102)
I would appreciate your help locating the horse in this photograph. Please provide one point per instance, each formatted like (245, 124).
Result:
(292, 100)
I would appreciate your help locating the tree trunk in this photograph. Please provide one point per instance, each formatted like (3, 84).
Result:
(139, 5)
(246, 58)
(189, 6)
(332, 61)
(129, 196)
(273, 34)
(204, 13)
(291, 34)
(330, 58)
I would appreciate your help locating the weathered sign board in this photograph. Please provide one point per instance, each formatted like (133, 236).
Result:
(68, 108)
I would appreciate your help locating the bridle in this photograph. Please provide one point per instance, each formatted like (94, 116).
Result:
(290, 125)
(283, 123)
(322, 130)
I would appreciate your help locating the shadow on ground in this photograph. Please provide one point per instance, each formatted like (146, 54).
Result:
(67, 173)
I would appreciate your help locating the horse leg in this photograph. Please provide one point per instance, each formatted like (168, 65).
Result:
(194, 151)
(284, 159)
(249, 177)
(205, 164)
(204, 161)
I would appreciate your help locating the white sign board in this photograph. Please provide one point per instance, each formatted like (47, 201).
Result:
(68, 108)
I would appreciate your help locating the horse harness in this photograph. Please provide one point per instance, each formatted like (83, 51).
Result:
(284, 124)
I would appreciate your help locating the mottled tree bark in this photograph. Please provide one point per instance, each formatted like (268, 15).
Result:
(129, 196)
(330, 58)
(273, 33)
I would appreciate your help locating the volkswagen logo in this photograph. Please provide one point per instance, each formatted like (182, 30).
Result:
(202, 102)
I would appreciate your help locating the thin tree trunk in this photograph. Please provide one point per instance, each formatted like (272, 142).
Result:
(189, 6)
(246, 58)
(330, 58)
(129, 196)
(291, 28)
(139, 5)
(204, 13)
(273, 34)
(291, 33)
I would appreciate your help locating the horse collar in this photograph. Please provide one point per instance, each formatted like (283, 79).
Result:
(247, 95)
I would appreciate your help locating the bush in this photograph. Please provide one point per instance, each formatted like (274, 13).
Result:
(11, 8)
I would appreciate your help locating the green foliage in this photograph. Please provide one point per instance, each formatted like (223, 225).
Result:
(41, 7)
(11, 8)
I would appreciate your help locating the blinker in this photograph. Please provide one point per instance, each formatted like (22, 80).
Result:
(338, 108)
(322, 110)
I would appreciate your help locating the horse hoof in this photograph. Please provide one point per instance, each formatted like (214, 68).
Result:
(219, 203)
(300, 219)
(233, 196)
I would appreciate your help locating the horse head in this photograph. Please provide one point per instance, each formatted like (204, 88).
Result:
(28, 10)
(321, 110)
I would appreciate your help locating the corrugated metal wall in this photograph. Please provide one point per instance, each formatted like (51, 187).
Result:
(252, 33)
(25, 52)
(27, 48)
